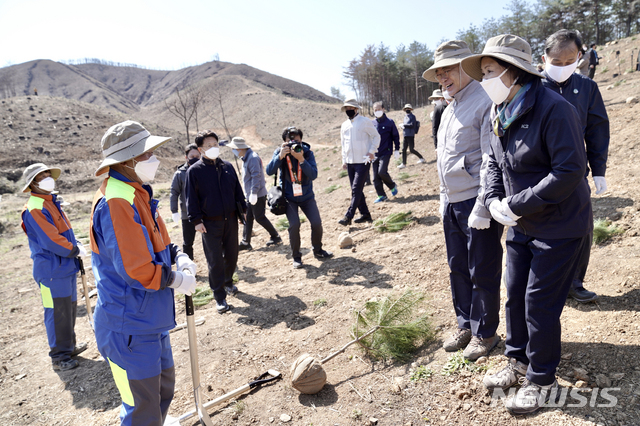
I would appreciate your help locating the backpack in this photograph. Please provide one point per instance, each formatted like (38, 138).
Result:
(417, 126)
(275, 198)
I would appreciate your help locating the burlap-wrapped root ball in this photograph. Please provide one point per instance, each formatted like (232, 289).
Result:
(307, 375)
(345, 240)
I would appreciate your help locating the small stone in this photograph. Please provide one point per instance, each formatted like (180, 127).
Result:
(633, 100)
(234, 416)
(566, 356)
(482, 360)
(603, 381)
(372, 421)
(466, 407)
(610, 87)
(271, 419)
(581, 374)
(285, 418)
(330, 179)
(617, 376)
(581, 384)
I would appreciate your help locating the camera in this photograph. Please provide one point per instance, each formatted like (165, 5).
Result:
(295, 146)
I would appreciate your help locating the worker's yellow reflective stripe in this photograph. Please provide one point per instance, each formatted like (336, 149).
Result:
(35, 203)
(119, 189)
(47, 299)
(122, 382)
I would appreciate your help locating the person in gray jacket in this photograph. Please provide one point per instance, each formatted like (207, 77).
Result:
(256, 192)
(472, 238)
(409, 129)
(178, 196)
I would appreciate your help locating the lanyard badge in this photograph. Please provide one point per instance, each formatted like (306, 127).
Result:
(295, 178)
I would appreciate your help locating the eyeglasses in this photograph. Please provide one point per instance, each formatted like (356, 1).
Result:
(444, 73)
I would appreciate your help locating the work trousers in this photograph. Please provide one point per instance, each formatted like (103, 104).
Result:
(583, 262)
(475, 263)
(539, 274)
(142, 367)
(381, 175)
(188, 237)
(220, 244)
(256, 212)
(310, 210)
(408, 143)
(59, 299)
(357, 177)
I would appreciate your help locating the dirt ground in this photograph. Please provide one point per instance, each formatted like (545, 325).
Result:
(279, 314)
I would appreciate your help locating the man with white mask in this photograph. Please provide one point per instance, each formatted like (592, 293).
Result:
(439, 105)
(472, 237)
(563, 51)
(215, 204)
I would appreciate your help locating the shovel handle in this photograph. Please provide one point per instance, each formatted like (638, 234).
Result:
(85, 290)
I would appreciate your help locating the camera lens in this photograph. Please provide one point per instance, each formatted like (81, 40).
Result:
(297, 148)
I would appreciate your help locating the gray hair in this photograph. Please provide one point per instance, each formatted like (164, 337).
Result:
(378, 104)
(561, 39)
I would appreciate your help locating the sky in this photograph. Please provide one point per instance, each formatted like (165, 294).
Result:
(306, 41)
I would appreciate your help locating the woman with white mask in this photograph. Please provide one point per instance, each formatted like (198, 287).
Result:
(439, 105)
(534, 185)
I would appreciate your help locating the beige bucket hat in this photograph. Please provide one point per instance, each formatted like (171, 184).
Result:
(238, 143)
(125, 141)
(447, 54)
(34, 170)
(507, 47)
(350, 103)
(406, 107)
(437, 94)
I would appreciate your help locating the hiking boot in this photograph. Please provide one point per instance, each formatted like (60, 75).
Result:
(478, 347)
(322, 254)
(531, 397)
(80, 347)
(297, 262)
(458, 340)
(380, 199)
(222, 307)
(394, 191)
(582, 295)
(232, 290)
(244, 246)
(345, 221)
(420, 161)
(401, 166)
(507, 377)
(363, 219)
(274, 241)
(64, 364)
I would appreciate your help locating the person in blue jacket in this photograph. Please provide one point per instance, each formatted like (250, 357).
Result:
(389, 138)
(409, 129)
(54, 250)
(563, 50)
(131, 261)
(297, 165)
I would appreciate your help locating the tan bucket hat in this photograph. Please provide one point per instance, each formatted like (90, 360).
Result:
(507, 47)
(124, 141)
(447, 54)
(406, 107)
(238, 143)
(350, 103)
(34, 170)
(437, 94)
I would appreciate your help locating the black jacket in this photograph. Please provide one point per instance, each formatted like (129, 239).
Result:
(435, 124)
(539, 164)
(584, 95)
(213, 191)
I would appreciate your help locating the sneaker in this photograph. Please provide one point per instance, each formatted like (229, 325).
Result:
(274, 241)
(297, 262)
(222, 307)
(231, 291)
(420, 161)
(582, 295)
(394, 191)
(322, 254)
(458, 340)
(244, 246)
(401, 166)
(80, 347)
(478, 347)
(531, 397)
(507, 377)
(363, 219)
(380, 199)
(345, 221)
(65, 364)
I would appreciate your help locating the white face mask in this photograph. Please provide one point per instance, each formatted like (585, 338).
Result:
(447, 96)
(496, 89)
(47, 184)
(212, 153)
(378, 114)
(146, 170)
(438, 102)
(559, 74)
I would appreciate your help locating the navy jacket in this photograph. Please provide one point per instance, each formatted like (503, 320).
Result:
(213, 191)
(409, 125)
(178, 193)
(539, 164)
(389, 135)
(435, 124)
(584, 95)
(309, 173)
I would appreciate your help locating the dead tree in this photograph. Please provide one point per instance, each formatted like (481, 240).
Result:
(185, 106)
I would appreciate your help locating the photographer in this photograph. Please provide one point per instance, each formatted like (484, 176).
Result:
(298, 169)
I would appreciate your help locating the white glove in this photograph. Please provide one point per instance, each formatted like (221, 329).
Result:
(443, 203)
(506, 210)
(495, 208)
(183, 282)
(601, 184)
(184, 263)
(253, 199)
(402, 126)
(176, 217)
(478, 222)
(82, 251)
(396, 154)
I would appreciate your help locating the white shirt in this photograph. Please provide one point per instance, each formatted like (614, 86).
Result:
(359, 138)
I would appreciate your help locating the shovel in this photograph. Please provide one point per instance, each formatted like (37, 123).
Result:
(85, 290)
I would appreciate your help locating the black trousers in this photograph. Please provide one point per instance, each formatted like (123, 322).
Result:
(381, 175)
(583, 263)
(357, 177)
(408, 143)
(310, 210)
(188, 237)
(220, 244)
(256, 212)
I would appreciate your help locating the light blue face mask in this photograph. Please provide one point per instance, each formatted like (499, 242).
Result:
(235, 152)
